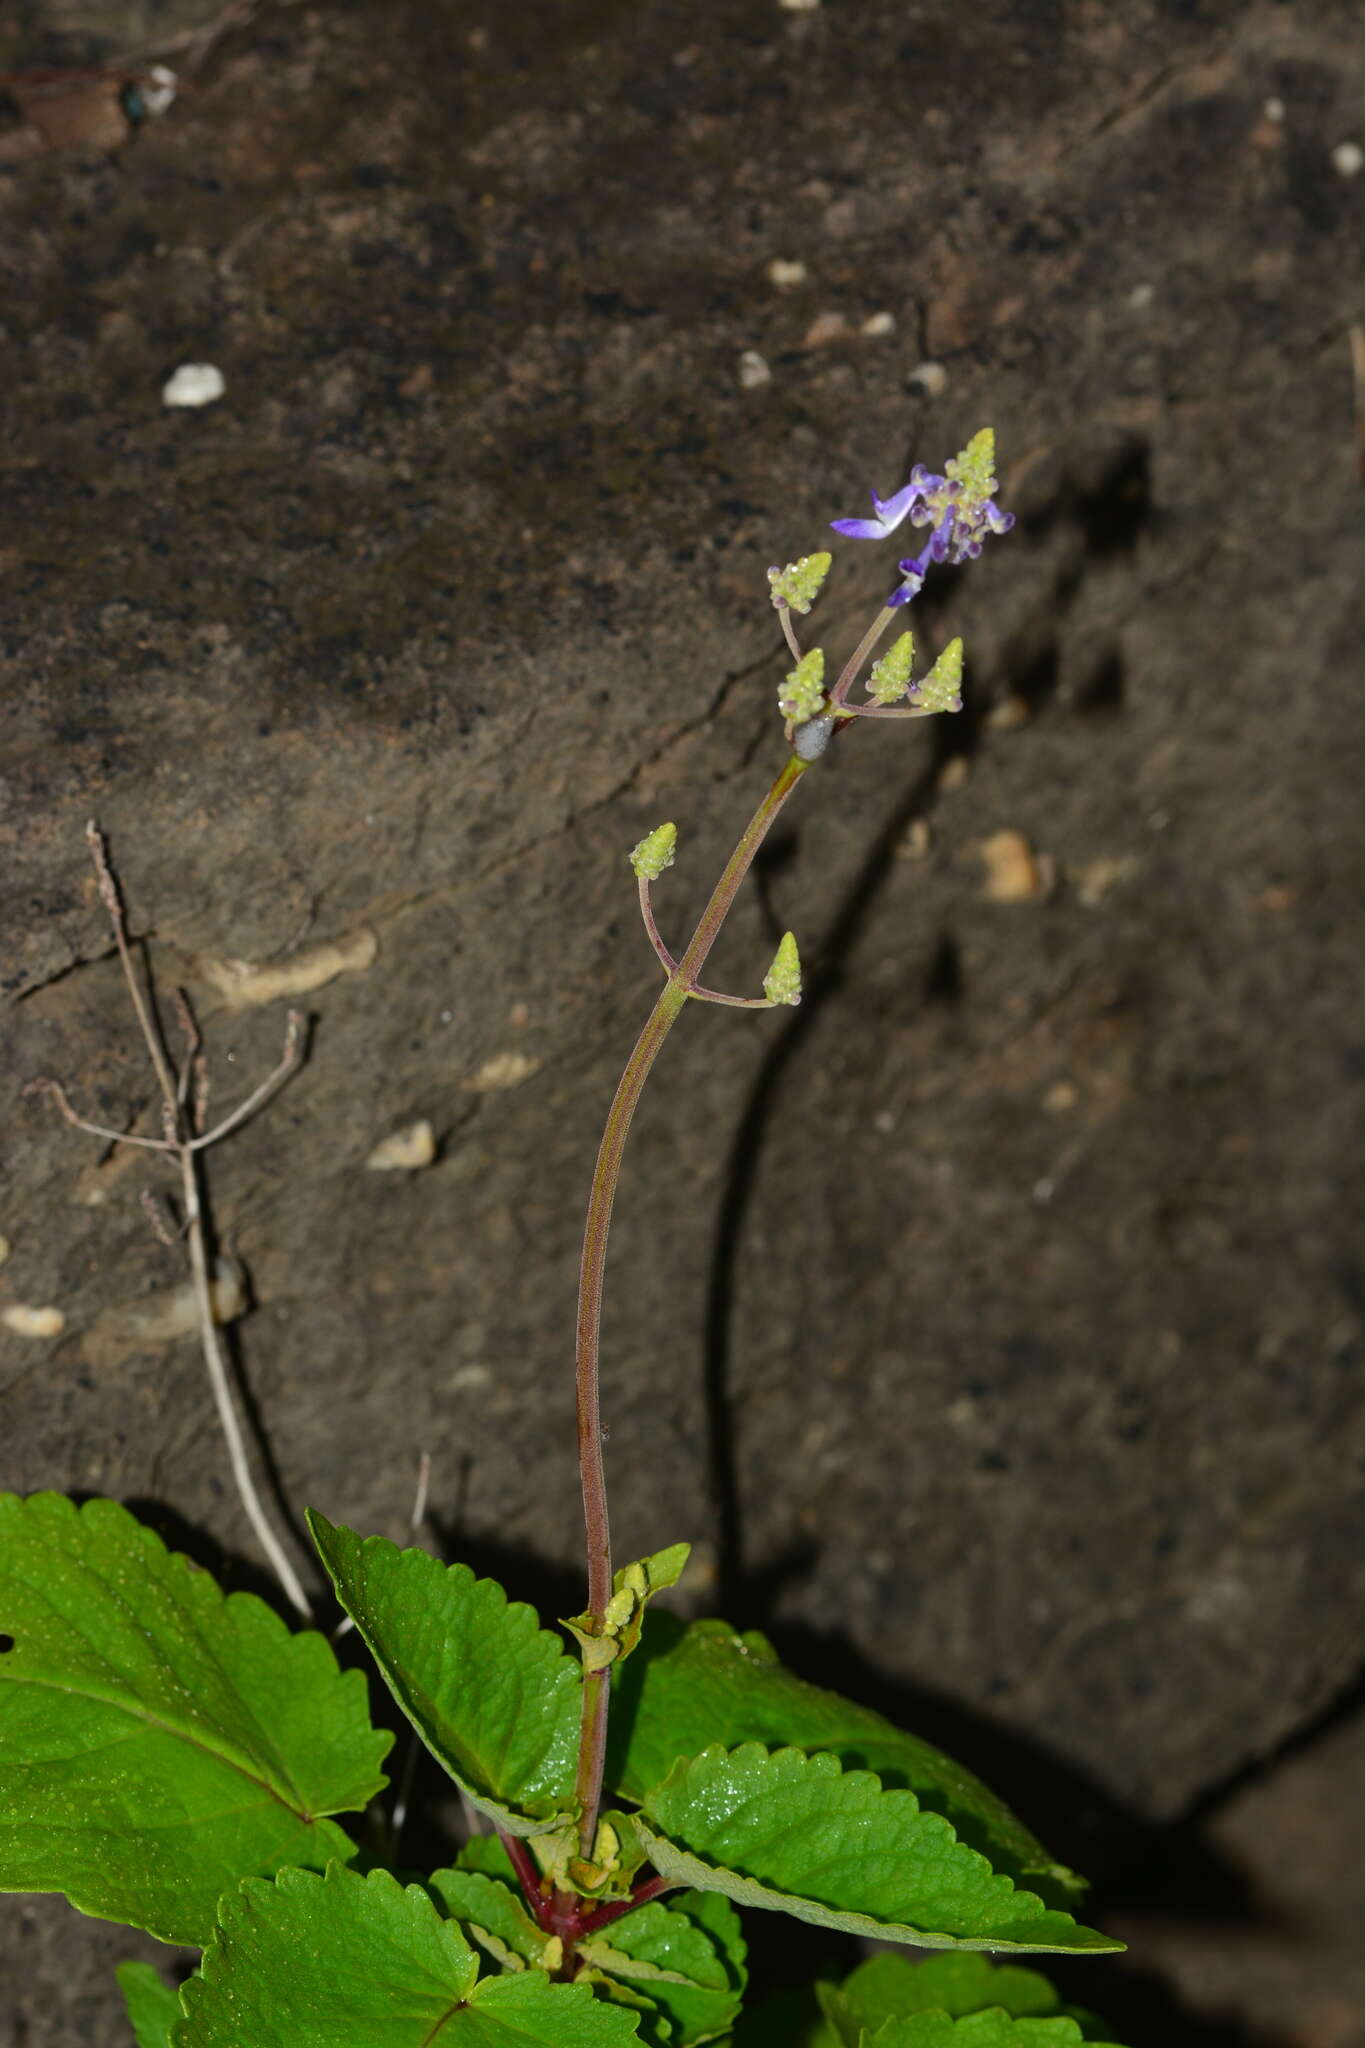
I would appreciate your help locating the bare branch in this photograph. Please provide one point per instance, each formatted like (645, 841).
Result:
(156, 1216)
(113, 903)
(193, 1064)
(293, 1048)
(59, 1096)
(222, 1391)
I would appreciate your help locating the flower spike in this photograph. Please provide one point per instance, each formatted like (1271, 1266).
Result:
(941, 689)
(654, 852)
(803, 692)
(890, 677)
(796, 587)
(782, 982)
(958, 506)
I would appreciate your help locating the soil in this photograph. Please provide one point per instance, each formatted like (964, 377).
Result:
(992, 1322)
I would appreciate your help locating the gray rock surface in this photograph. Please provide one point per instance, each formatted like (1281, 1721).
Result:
(994, 1321)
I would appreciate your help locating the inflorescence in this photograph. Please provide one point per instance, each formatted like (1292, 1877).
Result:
(959, 506)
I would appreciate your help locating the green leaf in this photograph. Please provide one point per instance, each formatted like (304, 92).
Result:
(687, 1956)
(493, 1695)
(344, 1961)
(153, 2007)
(492, 1914)
(797, 1834)
(486, 1854)
(160, 1741)
(688, 1687)
(990, 2029)
(891, 1986)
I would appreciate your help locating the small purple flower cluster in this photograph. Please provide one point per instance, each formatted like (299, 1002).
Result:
(958, 506)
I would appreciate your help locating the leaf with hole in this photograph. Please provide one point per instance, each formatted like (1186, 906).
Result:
(160, 1741)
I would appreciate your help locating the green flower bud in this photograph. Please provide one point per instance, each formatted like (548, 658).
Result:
(782, 982)
(890, 677)
(797, 586)
(655, 852)
(941, 689)
(974, 469)
(803, 694)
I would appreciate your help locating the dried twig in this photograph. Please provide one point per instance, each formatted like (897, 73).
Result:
(183, 1139)
(1357, 337)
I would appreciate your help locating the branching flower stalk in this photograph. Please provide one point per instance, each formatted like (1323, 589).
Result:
(961, 511)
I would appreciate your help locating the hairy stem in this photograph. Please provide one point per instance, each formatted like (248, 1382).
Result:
(592, 1268)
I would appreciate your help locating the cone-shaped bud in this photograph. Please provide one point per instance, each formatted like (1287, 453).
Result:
(796, 587)
(941, 689)
(973, 471)
(655, 852)
(782, 982)
(890, 677)
(803, 692)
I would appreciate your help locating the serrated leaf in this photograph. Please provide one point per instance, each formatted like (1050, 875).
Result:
(687, 1687)
(796, 1834)
(493, 1915)
(153, 2007)
(342, 1960)
(891, 1986)
(494, 1696)
(161, 1741)
(688, 1956)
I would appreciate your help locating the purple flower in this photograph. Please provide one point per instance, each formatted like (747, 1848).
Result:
(889, 514)
(958, 506)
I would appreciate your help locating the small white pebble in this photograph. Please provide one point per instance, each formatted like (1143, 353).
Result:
(32, 1322)
(799, 6)
(466, 1378)
(930, 378)
(877, 324)
(786, 276)
(194, 384)
(405, 1151)
(1348, 159)
(504, 1070)
(1044, 1190)
(753, 370)
(1274, 110)
(158, 89)
(825, 328)
(1141, 297)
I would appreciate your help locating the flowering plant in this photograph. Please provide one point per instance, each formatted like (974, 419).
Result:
(178, 1759)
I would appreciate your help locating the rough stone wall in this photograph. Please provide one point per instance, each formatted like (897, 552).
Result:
(993, 1322)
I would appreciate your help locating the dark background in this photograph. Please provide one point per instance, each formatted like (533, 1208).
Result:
(993, 1322)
